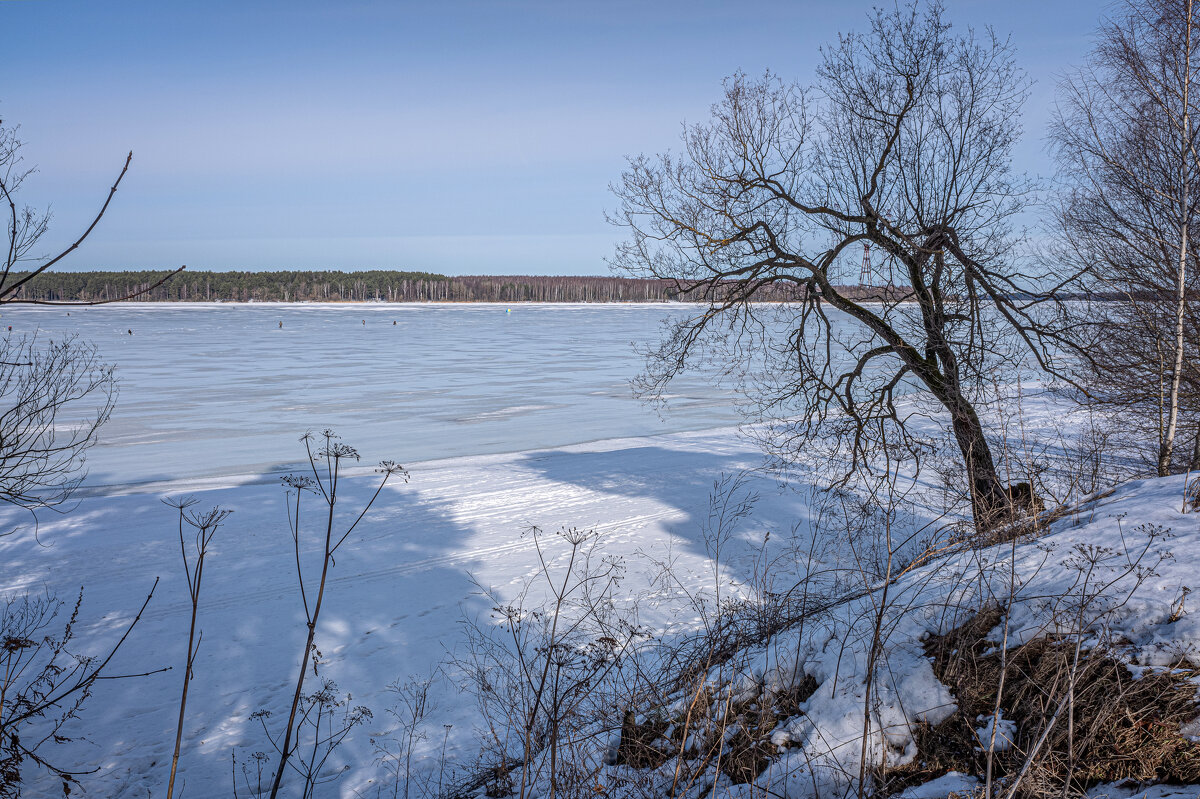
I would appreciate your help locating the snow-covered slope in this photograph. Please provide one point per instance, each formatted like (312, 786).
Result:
(1119, 568)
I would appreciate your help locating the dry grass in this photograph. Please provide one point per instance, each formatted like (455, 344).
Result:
(1118, 726)
(1191, 495)
(733, 738)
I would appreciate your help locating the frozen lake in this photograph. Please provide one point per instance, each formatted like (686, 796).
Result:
(506, 419)
(221, 389)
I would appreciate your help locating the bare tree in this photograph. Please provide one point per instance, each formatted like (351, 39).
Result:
(410, 714)
(328, 718)
(541, 674)
(54, 395)
(1126, 143)
(44, 683)
(26, 226)
(53, 399)
(903, 144)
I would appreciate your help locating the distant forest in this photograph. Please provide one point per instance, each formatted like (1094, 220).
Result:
(373, 285)
(315, 286)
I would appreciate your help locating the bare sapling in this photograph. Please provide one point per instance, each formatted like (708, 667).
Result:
(540, 670)
(44, 683)
(328, 717)
(1010, 597)
(888, 536)
(54, 396)
(1106, 580)
(410, 712)
(701, 711)
(202, 526)
(885, 496)
(326, 464)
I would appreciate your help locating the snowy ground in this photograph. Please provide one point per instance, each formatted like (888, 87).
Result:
(1120, 563)
(397, 595)
(406, 579)
(402, 587)
(213, 399)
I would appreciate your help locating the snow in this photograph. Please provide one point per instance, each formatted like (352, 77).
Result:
(997, 733)
(1117, 791)
(213, 402)
(396, 597)
(950, 783)
(540, 432)
(1115, 566)
(212, 389)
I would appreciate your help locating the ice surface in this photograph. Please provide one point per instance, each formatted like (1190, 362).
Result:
(221, 389)
(213, 399)
(505, 420)
(397, 595)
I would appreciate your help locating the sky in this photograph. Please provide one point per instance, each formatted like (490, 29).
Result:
(461, 136)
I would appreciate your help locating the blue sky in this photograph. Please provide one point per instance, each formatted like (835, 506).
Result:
(456, 137)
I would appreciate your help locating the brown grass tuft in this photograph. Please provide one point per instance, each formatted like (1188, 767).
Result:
(1116, 727)
(733, 738)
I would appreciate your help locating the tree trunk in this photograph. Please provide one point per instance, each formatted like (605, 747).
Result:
(988, 497)
(1194, 463)
(1168, 444)
(1164, 455)
(989, 502)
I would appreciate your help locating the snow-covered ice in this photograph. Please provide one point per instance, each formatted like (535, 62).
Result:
(398, 592)
(535, 404)
(499, 432)
(219, 389)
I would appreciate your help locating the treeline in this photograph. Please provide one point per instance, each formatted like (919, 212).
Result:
(336, 286)
(373, 285)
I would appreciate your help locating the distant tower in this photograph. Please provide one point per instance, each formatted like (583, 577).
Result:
(864, 277)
